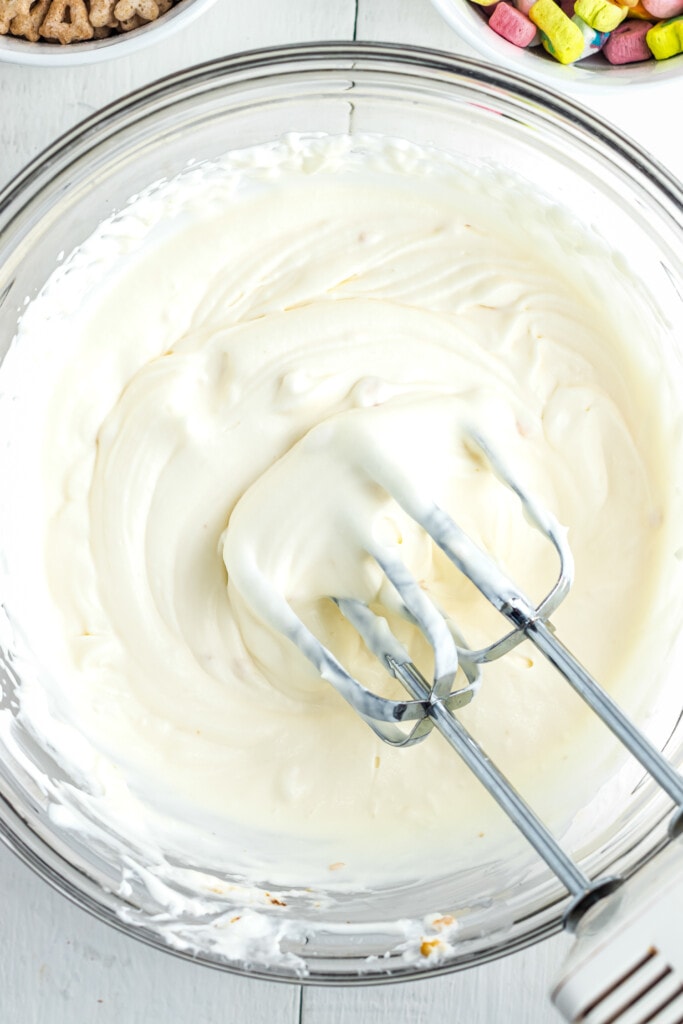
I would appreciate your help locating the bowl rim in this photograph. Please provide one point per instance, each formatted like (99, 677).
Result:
(269, 59)
(15, 831)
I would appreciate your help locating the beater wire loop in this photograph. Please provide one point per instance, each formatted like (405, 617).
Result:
(434, 702)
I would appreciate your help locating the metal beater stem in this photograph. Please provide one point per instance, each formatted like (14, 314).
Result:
(501, 789)
(504, 595)
(596, 698)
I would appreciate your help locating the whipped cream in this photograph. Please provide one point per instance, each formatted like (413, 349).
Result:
(198, 391)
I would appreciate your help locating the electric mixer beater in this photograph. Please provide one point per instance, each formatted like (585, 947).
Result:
(626, 966)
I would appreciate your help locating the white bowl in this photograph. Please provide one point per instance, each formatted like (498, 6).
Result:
(593, 73)
(15, 50)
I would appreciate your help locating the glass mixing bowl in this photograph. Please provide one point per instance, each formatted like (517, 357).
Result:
(481, 115)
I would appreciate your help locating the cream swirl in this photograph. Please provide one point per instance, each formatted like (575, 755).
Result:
(221, 354)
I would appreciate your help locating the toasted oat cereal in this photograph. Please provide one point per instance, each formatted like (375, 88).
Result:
(130, 23)
(67, 21)
(127, 9)
(28, 22)
(8, 11)
(29, 19)
(102, 13)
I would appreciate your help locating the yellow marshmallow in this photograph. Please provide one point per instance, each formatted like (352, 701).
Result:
(666, 39)
(561, 37)
(602, 15)
(638, 11)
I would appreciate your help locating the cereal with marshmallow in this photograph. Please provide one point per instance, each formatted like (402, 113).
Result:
(623, 31)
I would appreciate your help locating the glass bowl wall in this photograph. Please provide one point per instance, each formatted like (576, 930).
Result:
(465, 108)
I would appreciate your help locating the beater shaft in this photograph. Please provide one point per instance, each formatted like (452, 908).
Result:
(611, 714)
(530, 621)
(584, 891)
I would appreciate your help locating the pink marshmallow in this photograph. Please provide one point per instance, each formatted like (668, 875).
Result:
(524, 6)
(626, 44)
(663, 9)
(512, 25)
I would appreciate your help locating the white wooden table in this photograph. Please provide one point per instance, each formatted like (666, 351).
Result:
(58, 965)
